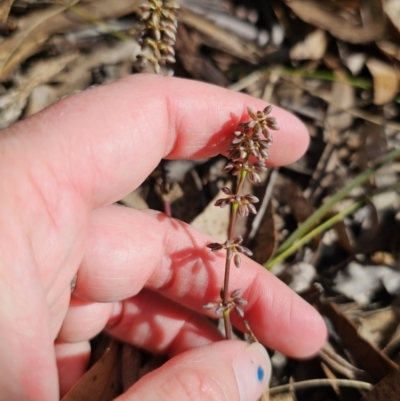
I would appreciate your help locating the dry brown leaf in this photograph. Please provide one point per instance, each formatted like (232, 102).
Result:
(314, 13)
(392, 11)
(337, 119)
(5, 8)
(219, 37)
(356, 112)
(131, 360)
(32, 32)
(388, 389)
(377, 326)
(386, 81)
(36, 28)
(367, 356)
(13, 102)
(344, 237)
(389, 48)
(194, 62)
(313, 47)
(79, 73)
(102, 382)
(264, 243)
(289, 193)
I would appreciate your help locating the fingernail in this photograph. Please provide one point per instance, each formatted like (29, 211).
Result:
(252, 368)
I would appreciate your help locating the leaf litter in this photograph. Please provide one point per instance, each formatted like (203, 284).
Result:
(335, 64)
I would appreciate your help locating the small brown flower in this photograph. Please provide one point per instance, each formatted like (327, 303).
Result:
(246, 144)
(233, 248)
(244, 202)
(237, 302)
(261, 121)
(234, 301)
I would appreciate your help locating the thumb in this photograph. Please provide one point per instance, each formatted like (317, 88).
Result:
(224, 371)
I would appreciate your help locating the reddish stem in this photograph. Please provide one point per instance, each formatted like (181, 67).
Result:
(232, 221)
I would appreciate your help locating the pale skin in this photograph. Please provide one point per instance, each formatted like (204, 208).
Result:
(141, 275)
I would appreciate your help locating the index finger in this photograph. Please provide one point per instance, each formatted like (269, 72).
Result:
(105, 141)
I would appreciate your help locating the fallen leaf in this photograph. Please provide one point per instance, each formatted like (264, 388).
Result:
(388, 389)
(13, 102)
(313, 13)
(313, 47)
(220, 38)
(392, 11)
(367, 356)
(263, 244)
(78, 75)
(377, 326)
(37, 27)
(389, 48)
(386, 80)
(131, 360)
(5, 7)
(102, 382)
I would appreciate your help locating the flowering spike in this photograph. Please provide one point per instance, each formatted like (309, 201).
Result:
(251, 139)
(158, 34)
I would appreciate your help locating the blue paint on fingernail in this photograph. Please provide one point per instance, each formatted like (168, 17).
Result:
(260, 374)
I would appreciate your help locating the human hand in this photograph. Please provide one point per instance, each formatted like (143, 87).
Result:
(142, 276)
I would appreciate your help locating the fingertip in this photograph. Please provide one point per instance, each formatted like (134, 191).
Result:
(290, 141)
(313, 336)
(309, 331)
(225, 371)
(252, 368)
(280, 318)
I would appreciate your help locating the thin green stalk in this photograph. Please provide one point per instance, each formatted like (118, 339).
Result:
(327, 76)
(318, 214)
(318, 230)
(326, 225)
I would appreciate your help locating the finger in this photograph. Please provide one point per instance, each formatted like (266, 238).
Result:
(84, 320)
(72, 361)
(224, 371)
(120, 259)
(104, 142)
(147, 320)
(159, 325)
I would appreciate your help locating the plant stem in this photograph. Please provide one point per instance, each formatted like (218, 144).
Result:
(231, 228)
(226, 313)
(318, 214)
